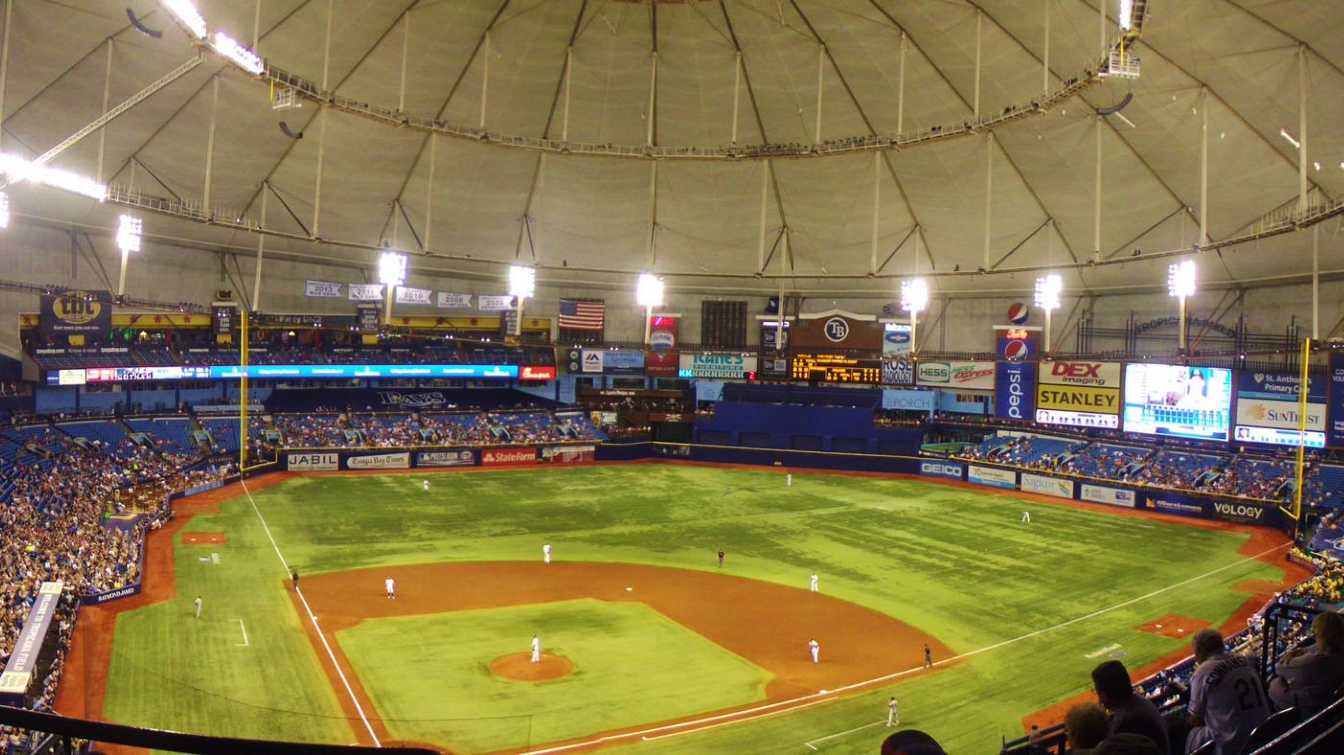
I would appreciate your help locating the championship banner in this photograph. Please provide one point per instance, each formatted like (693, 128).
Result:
(448, 300)
(1337, 398)
(366, 292)
(495, 303)
(1015, 390)
(1079, 394)
(76, 313)
(407, 295)
(322, 290)
(661, 358)
(1268, 409)
(968, 376)
(368, 317)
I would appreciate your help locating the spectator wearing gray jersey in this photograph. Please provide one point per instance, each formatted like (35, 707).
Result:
(1227, 698)
(1308, 677)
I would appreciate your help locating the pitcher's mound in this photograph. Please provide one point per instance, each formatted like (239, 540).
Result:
(520, 668)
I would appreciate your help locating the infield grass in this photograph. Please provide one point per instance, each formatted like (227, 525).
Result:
(431, 678)
(1036, 606)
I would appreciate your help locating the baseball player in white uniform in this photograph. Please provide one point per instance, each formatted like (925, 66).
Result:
(536, 649)
(814, 648)
(893, 715)
(814, 587)
(391, 586)
(788, 480)
(546, 553)
(426, 486)
(1026, 517)
(198, 603)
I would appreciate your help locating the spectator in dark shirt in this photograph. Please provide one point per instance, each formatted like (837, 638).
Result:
(1129, 713)
(1308, 677)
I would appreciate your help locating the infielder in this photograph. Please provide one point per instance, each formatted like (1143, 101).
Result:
(893, 715)
(814, 583)
(546, 553)
(536, 649)
(391, 586)
(928, 656)
(198, 603)
(721, 554)
(814, 648)
(1026, 517)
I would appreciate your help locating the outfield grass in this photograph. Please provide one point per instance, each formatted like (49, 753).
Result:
(953, 562)
(632, 665)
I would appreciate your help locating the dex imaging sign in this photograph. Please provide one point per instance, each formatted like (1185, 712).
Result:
(1079, 394)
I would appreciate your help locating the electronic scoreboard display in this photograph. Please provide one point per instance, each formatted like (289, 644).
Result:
(836, 368)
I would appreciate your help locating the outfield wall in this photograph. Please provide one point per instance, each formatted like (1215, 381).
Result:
(433, 457)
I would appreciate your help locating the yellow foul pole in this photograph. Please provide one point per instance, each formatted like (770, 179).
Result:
(1301, 429)
(242, 396)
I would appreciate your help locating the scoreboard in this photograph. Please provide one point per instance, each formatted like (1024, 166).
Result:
(836, 368)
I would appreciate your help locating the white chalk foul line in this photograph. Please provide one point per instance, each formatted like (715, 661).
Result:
(812, 742)
(311, 617)
(806, 701)
(243, 627)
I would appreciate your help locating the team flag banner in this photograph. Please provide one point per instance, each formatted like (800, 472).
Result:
(366, 292)
(322, 289)
(448, 300)
(407, 295)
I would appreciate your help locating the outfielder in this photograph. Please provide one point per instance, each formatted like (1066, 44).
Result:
(788, 480)
(536, 649)
(198, 603)
(893, 715)
(546, 553)
(426, 486)
(391, 586)
(814, 584)
(814, 648)
(1026, 517)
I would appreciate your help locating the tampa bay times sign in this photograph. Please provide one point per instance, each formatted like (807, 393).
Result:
(76, 313)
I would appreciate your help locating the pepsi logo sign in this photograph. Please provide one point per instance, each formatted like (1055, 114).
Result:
(1016, 350)
(836, 329)
(1018, 313)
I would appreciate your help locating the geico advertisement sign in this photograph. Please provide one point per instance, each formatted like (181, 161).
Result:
(316, 462)
(1079, 398)
(1096, 374)
(509, 456)
(379, 461)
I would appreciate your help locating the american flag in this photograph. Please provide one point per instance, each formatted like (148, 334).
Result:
(582, 314)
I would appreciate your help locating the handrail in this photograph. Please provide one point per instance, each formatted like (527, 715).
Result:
(173, 741)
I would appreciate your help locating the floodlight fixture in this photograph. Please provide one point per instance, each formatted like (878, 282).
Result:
(237, 52)
(1181, 284)
(4, 210)
(1048, 290)
(522, 281)
(1181, 278)
(18, 170)
(649, 290)
(1126, 11)
(186, 14)
(129, 232)
(914, 295)
(391, 269)
(1284, 133)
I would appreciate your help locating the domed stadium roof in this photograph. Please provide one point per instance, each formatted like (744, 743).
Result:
(722, 143)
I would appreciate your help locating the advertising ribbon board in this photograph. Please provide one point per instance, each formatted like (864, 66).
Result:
(503, 456)
(968, 376)
(945, 469)
(1109, 496)
(380, 461)
(1052, 486)
(445, 459)
(313, 462)
(22, 664)
(995, 478)
(1268, 409)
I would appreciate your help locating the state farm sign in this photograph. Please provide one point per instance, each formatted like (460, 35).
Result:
(497, 456)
